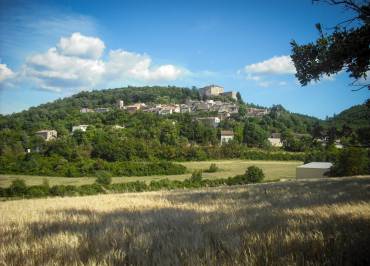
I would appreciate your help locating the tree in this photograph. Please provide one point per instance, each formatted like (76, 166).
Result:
(351, 161)
(239, 98)
(317, 131)
(344, 48)
(254, 135)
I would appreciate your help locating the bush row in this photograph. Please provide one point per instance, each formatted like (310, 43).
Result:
(34, 164)
(19, 188)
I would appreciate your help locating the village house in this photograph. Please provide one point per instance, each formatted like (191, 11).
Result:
(47, 135)
(210, 121)
(275, 140)
(230, 108)
(231, 94)
(226, 136)
(184, 108)
(86, 110)
(165, 111)
(201, 107)
(80, 127)
(118, 127)
(102, 110)
(256, 112)
(135, 107)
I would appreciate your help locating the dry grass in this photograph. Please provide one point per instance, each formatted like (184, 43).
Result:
(272, 169)
(297, 222)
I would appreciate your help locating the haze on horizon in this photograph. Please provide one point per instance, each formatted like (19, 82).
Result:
(53, 49)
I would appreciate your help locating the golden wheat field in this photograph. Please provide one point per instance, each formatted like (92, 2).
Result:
(316, 222)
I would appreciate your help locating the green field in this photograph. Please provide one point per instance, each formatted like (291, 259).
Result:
(272, 169)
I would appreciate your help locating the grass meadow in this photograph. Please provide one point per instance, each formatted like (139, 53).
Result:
(272, 169)
(315, 222)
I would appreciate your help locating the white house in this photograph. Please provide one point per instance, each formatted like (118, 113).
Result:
(47, 134)
(118, 127)
(80, 127)
(226, 136)
(275, 140)
(212, 121)
(231, 94)
(86, 110)
(313, 170)
(101, 110)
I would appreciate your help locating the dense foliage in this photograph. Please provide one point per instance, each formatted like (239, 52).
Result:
(147, 139)
(347, 47)
(351, 161)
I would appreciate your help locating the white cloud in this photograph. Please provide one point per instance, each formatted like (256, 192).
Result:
(81, 46)
(275, 65)
(76, 63)
(262, 72)
(124, 64)
(55, 71)
(5, 72)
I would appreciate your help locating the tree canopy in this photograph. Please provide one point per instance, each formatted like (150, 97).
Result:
(345, 47)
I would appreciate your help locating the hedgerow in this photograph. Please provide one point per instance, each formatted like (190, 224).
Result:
(137, 186)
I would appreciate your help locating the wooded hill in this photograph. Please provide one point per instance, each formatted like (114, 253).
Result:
(146, 137)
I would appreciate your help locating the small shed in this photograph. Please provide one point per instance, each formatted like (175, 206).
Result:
(226, 136)
(313, 170)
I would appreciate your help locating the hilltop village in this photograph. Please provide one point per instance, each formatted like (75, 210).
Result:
(220, 109)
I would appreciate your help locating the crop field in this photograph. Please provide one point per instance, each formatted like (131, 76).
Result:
(272, 169)
(316, 222)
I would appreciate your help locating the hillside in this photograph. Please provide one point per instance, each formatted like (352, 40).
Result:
(317, 222)
(66, 111)
(355, 117)
(89, 132)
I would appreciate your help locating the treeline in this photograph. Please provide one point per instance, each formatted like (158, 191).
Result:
(34, 164)
(57, 165)
(18, 187)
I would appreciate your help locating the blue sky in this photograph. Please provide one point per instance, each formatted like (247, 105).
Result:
(53, 49)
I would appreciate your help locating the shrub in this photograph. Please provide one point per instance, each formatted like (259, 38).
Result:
(3, 192)
(37, 191)
(103, 178)
(90, 189)
(212, 168)
(196, 176)
(254, 174)
(18, 187)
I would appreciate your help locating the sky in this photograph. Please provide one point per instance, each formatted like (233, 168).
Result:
(54, 49)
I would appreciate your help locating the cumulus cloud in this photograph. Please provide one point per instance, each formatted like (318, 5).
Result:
(275, 65)
(81, 46)
(76, 63)
(262, 73)
(55, 71)
(124, 64)
(5, 72)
